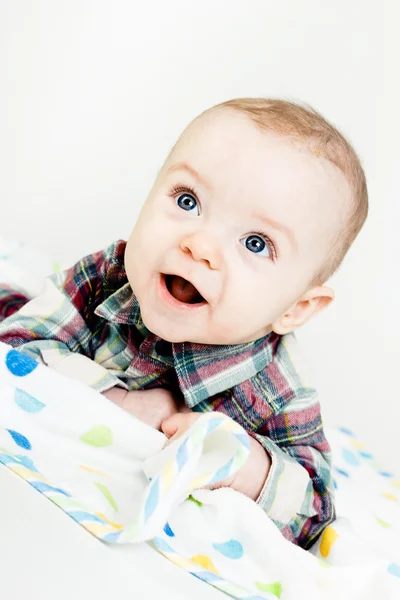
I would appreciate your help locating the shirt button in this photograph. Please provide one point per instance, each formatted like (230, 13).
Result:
(163, 348)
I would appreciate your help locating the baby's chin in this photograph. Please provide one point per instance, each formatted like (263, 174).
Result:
(197, 326)
(173, 334)
(179, 333)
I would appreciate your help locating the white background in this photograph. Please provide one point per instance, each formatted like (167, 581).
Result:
(94, 94)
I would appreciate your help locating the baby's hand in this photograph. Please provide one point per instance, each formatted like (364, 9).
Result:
(177, 424)
(150, 406)
(250, 479)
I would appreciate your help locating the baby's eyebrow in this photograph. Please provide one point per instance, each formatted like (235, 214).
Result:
(184, 166)
(279, 227)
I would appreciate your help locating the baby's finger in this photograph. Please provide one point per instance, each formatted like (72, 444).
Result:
(227, 482)
(171, 425)
(179, 423)
(174, 437)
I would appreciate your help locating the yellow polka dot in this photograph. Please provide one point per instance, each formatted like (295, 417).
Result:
(168, 475)
(206, 563)
(390, 497)
(357, 445)
(230, 425)
(181, 562)
(116, 525)
(98, 529)
(329, 537)
(396, 483)
(91, 470)
(199, 482)
(27, 473)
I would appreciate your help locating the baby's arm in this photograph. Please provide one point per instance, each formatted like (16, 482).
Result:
(58, 328)
(288, 470)
(150, 406)
(298, 493)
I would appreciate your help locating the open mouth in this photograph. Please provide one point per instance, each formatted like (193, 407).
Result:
(182, 290)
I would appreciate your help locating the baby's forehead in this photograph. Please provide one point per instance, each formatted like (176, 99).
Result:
(227, 138)
(234, 163)
(227, 147)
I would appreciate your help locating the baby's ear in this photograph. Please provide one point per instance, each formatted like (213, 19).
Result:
(310, 304)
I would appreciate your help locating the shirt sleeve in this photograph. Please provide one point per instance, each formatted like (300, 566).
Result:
(298, 494)
(56, 328)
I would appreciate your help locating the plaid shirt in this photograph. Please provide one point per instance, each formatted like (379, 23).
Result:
(87, 324)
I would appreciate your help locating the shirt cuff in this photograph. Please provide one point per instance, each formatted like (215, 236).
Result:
(288, 489)
(81, 368)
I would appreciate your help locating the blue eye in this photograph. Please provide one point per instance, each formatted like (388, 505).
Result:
(187, 202)
(257, 245)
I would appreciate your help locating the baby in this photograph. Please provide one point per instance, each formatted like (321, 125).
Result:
(252, 212)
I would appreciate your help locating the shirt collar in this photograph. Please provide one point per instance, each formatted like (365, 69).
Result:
(121, 307)
(203, 370)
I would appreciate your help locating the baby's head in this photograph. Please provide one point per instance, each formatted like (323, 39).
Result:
(256, 206)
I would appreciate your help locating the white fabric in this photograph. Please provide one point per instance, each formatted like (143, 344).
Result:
(65, 438)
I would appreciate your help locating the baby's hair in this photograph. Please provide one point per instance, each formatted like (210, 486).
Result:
(303, 123)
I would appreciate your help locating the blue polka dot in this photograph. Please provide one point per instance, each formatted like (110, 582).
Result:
(27, 462)
(214, 423)
(82, 515)
(231, 549)
(162, 546)
(366, 455)
(351, 458)
(394, 569)
(335, 485)
(20, 439)
(342, 472)
(346, 431)
(27, 402)
(152, 499)
(385, 474)
(19, 364)
(223, 472)
(43, 487)
(182, 455)
(243, 439)
(168, 530)
(112, 537)
(207, 576)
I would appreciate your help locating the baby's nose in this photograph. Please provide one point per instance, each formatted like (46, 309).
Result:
(203, 248)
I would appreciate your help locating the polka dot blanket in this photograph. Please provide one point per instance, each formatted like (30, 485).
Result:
(115, 477)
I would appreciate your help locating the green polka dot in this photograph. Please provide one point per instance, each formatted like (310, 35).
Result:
(273, 588)
(194, 500)
(99, 436)
(107, 495)
(383, 523)
(324, 564)
(375, 466)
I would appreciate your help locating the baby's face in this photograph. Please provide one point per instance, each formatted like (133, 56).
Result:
(246, 217)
